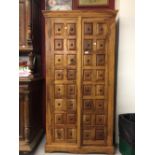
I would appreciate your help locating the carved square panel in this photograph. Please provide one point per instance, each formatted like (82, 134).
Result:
(87, 75)
(88, 45)
(100, 75)
(88, 105)
(71, 74)
(100, 45)
(71, 44)
(71, 105)
(88, 134)
(71, 118)
(102, 29)
(87, 120)
(71, 133)
(71, 91)
(58, 28)
(59, 91)
(71, 29)
(59, 134)
(59, 60)
(59, 119)
(100, 59)
(71, 59)
(100, 105)
(99, 134)
(60, 105)
(99, 90)
(87, 90)
(59, 74)
(58, 44)
(88, 60)
(88, 28)
(100, 120)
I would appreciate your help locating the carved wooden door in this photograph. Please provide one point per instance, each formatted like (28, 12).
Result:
(94, 83)
(62, 80)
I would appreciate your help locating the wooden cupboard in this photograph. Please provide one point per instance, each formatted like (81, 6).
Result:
(80, 61)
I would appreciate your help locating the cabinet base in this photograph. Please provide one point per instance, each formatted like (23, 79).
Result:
(28, 147)
(82, 149)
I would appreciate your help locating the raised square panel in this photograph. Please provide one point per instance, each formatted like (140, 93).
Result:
(99, 90)
(88, 134)
(58, 28)
(88, 28)
(59, 60)
(71, 74)
(87, 75)
(72, 44)
(58, 44)
(71, 133)
(60, 105)
(71, 104)
(87, 90)
(87, 119)
(59, 119)
(88, 45)
(59, 74)
(88, 105)
(71, 29)
(71, 91)
(100, 45)
(71, 118)
(100, 74)
(99, 134)
(87, 60)
(59, 134)
(100, 120)
(59, 91)
(71, 59)
(100, 59)
(100, 105)
(102, 29)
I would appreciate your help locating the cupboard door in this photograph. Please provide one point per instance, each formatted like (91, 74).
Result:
(62, 71)
(94, 69)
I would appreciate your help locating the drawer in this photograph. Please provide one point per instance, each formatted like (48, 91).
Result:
(60, 105)
(71, 59)
(100, 120)
(59, 60)
(88, 28)
(71, 74)
(88, 134)
(88, 45)
(100, 45)
(87, 119)
(71, 29)
(102, 29)
(71, 133)
(100, 75)
(58, 44)
(59, 134)
(88, 60)
(71, 105)
(71, 45)
(100, 60)
(87, 90)
(99, 105)
(71, 91)
(87, 75)
(59, 119)
(88, 105)
(58, 28)
(59, 91)
(59, 74)
(100, 134)
(99, 90)
(71, 118)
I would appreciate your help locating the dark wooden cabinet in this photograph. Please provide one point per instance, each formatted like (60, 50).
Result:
(30, 113)
(30, 87)
(80, 61)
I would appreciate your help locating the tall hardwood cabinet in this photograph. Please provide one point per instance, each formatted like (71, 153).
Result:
(30, 87)
(80, 61)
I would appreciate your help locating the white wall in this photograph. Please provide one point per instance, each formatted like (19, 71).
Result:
(125, 71)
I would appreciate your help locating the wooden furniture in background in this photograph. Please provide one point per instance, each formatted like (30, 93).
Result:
(80, 61)
(30, 88)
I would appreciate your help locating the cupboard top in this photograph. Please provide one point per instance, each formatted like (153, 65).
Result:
(82, 13)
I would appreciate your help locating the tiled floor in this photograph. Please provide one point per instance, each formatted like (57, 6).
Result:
(40, 151)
